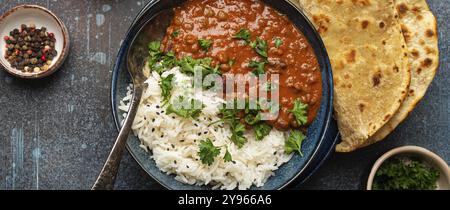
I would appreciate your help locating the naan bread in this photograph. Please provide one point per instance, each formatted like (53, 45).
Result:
(419, 28)
(370, 64)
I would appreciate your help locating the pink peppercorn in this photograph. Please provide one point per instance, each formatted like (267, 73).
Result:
(43, 58)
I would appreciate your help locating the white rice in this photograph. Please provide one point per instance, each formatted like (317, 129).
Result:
(174, 141)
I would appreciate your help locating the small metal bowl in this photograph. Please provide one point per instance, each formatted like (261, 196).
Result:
(41, 17)
(426, 156)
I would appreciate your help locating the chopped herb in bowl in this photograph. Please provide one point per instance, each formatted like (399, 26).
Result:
(405, 174)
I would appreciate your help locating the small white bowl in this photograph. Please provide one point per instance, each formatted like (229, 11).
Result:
(420, 153)
(41, 17)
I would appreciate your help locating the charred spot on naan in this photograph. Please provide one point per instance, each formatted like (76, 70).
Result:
(365, 24)
(351, 56)
(429, 33)
(402, 9)
(415, 53)
(322, 21)
(427, 62)
(376, 79)
(361, 107)
(396, 69)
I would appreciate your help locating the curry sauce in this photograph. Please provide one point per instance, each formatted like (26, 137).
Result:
(288, 52)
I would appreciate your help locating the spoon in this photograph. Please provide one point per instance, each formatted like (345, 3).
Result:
(148, 30)
(107, 177)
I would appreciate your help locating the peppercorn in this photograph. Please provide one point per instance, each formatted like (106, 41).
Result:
(29, 48)
(34, 60)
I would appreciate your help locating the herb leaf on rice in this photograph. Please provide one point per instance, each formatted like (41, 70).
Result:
(294, 142)
(208, 152)
(166, 88)
(180, 108)
(227, 157)
(237, 137)
(262, 130)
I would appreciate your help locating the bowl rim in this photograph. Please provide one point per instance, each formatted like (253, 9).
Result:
(324, 138)
(63, 55)
(420, 151)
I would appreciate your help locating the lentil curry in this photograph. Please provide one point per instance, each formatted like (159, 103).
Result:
(243, 36)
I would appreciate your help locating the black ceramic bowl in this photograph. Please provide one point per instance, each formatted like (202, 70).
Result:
(153, 20)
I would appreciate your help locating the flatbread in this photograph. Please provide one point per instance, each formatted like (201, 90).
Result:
(370, 64)
(419, 28)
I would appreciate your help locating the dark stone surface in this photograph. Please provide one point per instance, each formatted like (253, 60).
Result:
(56, 133)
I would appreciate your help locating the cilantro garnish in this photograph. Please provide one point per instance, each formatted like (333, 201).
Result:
(260, 47)
(278, 42)
(180, 110)
(243, 34)
(166, 87)
(258, 67)
(294, 143)
(205, 44)
(237, 137)
(402, 174)
(227, 157)
(175, 33)
(208, 152)
(262, 130)
(300, 112)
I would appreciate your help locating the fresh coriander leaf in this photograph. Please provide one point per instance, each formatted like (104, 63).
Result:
(278, 42)
(154, 46)
(231, 62)
(205, 44)
(294, 142)
(405, 174)
(167, 61)
(188, 65)
(300, 112)
(183, 112)
(237, 137)
(208, 152)
(262, 130)
(166, 88)
(260, 47)
(243, 34)
(175, 33)
(258, 67)
(230, 116)
(252, 119)
(155, 53)
(227, 157)
(227, 115)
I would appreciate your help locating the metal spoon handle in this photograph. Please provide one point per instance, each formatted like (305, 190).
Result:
(107, 177)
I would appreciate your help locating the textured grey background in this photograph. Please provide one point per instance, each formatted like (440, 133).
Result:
(56, 133)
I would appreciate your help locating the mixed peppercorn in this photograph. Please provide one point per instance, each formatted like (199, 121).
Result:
(30, 49)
